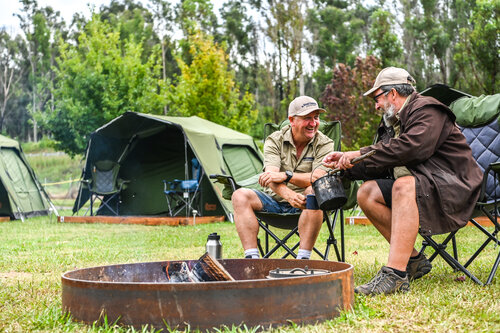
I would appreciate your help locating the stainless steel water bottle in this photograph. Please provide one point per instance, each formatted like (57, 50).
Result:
(214, 246)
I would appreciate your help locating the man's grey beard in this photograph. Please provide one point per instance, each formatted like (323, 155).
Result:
(389, 115)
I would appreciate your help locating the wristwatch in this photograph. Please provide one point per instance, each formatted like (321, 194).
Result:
(289, 176)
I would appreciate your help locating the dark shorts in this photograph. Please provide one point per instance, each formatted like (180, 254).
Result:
(385, 186)
(270, 205)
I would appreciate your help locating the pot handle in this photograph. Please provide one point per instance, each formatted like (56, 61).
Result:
(354, 161)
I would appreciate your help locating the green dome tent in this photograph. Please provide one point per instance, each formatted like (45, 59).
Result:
(151, 148)
(21, 195)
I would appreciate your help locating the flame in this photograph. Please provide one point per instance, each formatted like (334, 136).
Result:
(166, 271)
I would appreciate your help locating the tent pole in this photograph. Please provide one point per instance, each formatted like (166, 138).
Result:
(186, 171)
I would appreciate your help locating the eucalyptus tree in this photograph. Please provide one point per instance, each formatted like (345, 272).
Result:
(384, 41)
(134, 21)
(239, 32)
(283, 26)
(10, 73)
(337, 35)
(478, 50)
(42, 28)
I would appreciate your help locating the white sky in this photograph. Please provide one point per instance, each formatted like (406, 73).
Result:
(67, 8)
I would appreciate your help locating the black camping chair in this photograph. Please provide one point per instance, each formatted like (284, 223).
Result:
(290, 221)
(485, 145)
(185, 194)
(105, 185)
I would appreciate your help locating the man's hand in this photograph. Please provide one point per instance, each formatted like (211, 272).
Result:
(297, 200)
(340, 160)
(330, 160)
(269, 177)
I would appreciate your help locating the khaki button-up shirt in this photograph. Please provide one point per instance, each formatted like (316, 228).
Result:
(280, 151)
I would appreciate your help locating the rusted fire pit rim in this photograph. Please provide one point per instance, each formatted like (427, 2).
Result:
(66, 277)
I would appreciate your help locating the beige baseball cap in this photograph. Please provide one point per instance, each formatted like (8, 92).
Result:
(390, 76)
(303, 105)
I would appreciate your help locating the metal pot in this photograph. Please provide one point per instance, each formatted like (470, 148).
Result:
(329, 190)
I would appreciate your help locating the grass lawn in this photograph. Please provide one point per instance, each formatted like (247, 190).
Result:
(35, 253)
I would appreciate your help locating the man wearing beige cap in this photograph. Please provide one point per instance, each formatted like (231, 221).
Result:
(290, 155)
(422, 162)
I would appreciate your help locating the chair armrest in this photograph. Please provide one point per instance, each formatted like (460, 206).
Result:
(225, 180)
(495, 167)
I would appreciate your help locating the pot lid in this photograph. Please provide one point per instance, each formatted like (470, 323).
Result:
(296, 272)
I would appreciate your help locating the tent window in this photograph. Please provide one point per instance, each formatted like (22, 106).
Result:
(242, 161)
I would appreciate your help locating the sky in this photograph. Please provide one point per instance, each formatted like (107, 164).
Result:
(67, 8)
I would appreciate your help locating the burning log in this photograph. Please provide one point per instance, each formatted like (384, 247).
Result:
(206, 269)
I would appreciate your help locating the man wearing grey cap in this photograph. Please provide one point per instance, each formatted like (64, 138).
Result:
(290, 155)
(421, 178)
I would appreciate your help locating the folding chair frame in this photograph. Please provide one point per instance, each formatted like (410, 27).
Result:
(484, 208)
(282, 243)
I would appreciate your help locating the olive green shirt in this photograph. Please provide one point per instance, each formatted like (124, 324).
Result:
(400, 171)
(280, 152)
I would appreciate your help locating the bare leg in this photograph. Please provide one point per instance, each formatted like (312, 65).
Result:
(405, 222)
(309, 225)
(245, 202)
(372, 203)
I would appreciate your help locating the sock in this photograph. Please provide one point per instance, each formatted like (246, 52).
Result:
(252, 253)
(303, 254)
(416, 257)
(398, 272)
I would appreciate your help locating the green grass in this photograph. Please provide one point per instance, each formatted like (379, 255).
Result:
(35, 254)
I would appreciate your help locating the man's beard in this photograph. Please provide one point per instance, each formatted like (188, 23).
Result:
(389, 115)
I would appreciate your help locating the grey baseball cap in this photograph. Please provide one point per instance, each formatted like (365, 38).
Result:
(390, 76)
(303, 105)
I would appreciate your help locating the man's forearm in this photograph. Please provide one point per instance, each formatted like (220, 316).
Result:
(304, 179)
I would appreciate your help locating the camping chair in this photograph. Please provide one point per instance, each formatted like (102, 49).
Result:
(290, 221)
(105, 185)
(285, 221)
(485, 145)
(184, 194)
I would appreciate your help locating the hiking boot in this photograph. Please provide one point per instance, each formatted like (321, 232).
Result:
(385, 282)
(418, 267)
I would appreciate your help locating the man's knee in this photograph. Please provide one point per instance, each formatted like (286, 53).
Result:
(244, 198)
(404, 186)
(367, 191)
(312, 216)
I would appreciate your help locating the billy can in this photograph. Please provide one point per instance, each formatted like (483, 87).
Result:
(214, 246)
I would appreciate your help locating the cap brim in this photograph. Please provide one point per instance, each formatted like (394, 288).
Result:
(305, 113)
(371, 91)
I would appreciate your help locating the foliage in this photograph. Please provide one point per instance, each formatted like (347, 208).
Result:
(385, 43)
(337, 32)
(344, 100)
(206, 88)
(479, 48)
(99, 79)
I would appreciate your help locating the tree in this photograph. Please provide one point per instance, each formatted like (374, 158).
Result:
(385, 43)
(206, 87)
(10, 72)
(336, 35)
(478, 49)
(99, 79)
(42, 28)
(344, 101)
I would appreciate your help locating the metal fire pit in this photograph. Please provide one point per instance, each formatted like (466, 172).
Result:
(140, 294)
